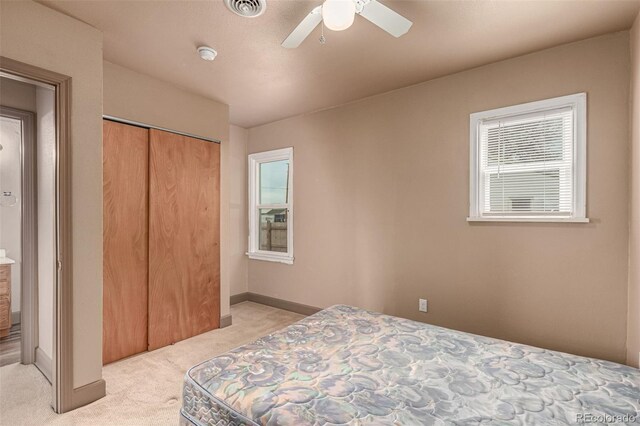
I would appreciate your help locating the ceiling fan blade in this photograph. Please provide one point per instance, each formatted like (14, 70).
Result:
(390, 21)
(303, 29)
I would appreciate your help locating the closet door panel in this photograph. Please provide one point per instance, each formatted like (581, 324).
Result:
(125, 240)
(184, 237)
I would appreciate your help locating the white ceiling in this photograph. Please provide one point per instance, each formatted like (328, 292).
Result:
(263, 82)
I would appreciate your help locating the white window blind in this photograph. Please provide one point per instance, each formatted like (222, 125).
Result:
(526, 163)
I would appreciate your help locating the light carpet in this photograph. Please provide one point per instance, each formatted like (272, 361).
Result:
(145, 389)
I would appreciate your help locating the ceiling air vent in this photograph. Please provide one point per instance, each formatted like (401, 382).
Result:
(247, 8)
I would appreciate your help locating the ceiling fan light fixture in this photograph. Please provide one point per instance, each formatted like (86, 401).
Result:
(338, 15)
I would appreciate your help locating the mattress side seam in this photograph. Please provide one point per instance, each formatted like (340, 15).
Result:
(218, 400)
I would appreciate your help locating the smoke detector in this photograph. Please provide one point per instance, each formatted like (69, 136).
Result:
(247, 8)
(207, 53)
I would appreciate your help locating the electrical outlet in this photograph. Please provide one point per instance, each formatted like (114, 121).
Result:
(422, 306)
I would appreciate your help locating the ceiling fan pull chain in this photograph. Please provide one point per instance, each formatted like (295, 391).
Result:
(322, 39)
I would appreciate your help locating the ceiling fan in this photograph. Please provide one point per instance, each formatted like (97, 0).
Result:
(339, 15)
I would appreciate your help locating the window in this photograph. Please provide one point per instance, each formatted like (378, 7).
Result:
(528, 162)
(271, 206)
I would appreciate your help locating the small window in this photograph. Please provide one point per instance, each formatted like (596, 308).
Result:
(528, 162)
(271, 206)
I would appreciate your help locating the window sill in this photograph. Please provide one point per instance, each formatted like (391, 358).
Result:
(271, 258)
(529, 219)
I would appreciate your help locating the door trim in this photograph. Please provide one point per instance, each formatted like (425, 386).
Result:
(29, 234)
(62, 359)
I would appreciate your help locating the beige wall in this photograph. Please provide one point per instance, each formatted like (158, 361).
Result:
(381, 198)
(137, 97)
(633, 326)
(238, 223)
(39, 36)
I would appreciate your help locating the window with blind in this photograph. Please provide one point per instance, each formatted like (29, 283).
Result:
(528, 162)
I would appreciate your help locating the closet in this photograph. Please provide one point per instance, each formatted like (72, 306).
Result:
(161, 238)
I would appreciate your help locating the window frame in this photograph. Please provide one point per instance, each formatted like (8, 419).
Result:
(254, 251)
(578, 103)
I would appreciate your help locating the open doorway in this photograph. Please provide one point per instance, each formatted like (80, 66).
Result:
(27, 224)
(63, 396)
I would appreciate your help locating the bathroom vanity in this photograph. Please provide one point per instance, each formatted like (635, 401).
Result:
(5, 295)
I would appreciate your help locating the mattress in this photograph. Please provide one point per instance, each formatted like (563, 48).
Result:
(345, 365)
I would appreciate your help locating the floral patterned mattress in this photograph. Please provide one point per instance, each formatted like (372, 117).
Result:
(345, 365)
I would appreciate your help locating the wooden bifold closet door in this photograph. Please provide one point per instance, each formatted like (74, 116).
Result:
(184, 237)
(125, 158)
